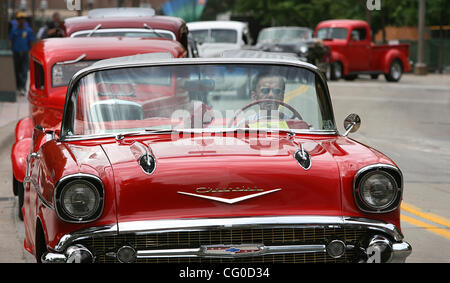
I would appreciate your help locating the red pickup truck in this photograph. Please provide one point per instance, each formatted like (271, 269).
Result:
(353, 52)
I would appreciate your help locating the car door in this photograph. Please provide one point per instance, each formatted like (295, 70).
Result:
(360, 52)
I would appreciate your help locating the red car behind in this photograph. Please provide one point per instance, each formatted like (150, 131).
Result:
(353, 52)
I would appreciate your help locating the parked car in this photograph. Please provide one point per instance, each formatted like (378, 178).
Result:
(54, 62)
(296, 40)
(156, 174)
(127, 22)
(353, 53)
(214, 37)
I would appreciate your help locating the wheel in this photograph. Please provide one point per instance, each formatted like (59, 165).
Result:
(336, 71)
(374, 76)
(350, 77)
(395, 71)
(20, 194)
(15, 185)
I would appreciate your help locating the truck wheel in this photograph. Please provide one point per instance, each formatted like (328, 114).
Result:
(395, 71)
(15, 185)
(336, 71)
(20, 194)
(351, 77)
(374, 77)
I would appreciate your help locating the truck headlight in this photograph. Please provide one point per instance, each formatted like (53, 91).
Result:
(303, 49)
(79, 200)
(378, 190)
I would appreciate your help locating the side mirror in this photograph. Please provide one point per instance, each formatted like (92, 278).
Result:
(352, 124)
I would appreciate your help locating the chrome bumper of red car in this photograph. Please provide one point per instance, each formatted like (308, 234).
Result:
(327, 238)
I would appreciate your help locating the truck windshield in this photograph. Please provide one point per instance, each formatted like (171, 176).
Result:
(283, 35)
(215, 36)
(332, 33)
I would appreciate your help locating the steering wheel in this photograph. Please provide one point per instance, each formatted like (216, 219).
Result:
(294, 115)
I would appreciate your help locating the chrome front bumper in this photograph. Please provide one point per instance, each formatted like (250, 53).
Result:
(387, 236)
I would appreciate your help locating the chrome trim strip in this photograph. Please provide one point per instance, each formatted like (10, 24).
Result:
(199, 252)
(230, 201)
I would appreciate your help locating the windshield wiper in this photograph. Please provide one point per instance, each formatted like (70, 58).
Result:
(94, 30)
(153, 30)
(72, 61)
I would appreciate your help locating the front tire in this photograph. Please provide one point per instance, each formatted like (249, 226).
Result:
(337, 71)
(351, 77)
(20, 194)
(395, 71)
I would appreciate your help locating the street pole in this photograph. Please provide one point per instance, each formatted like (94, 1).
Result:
(4, 23)
(421, 67)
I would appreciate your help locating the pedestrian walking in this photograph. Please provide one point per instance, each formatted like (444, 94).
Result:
(21, 37)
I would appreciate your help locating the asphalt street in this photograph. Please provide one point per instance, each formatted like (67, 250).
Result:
(409, 121)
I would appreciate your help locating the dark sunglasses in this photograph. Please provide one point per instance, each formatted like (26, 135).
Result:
(266, 90)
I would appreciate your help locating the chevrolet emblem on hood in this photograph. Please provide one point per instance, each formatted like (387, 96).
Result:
(229, 201)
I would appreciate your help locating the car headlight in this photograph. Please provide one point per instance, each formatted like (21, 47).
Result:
(79, 200)
(378, 190)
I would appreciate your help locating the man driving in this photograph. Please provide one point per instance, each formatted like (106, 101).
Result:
(268, 86)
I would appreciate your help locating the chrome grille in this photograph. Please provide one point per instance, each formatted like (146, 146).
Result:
(195, 239)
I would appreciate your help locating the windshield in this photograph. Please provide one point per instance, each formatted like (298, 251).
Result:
(332, 33)
(283, 35)
(200, 96)
(215, 36)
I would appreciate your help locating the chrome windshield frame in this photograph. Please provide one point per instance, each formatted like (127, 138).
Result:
(67, 120)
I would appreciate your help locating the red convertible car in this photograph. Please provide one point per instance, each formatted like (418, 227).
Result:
(54, 62)
(167, 168)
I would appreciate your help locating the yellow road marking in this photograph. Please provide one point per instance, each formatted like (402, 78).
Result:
(296, 92)
(428, 216)
(439, 231)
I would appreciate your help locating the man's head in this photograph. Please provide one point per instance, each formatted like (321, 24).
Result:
(21, 18)
(56, 17)
(268, 86)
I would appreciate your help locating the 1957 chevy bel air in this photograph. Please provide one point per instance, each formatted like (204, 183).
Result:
(166, 168)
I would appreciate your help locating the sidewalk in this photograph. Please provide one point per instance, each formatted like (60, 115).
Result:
(11, 228)
(13, 111)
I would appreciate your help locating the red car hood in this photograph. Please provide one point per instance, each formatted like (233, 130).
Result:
(223, 177)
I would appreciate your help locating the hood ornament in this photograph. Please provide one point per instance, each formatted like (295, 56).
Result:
(303, 158)
(233, 200)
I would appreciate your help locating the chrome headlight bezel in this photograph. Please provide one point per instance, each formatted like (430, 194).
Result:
(391, 172)
(93, 182)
